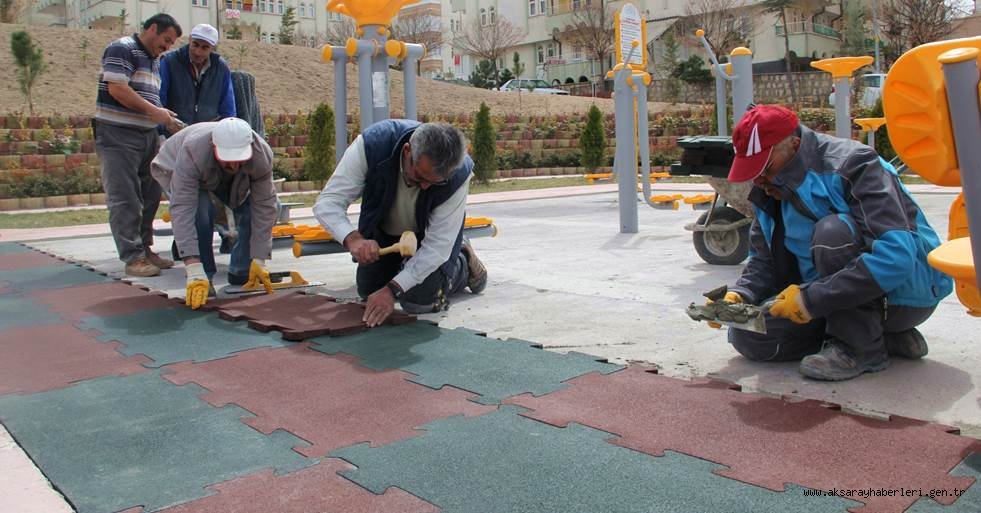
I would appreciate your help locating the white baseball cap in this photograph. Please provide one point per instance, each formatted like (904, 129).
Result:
(205, 33)
(232, 138)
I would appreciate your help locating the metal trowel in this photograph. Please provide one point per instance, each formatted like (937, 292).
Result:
(735, 315)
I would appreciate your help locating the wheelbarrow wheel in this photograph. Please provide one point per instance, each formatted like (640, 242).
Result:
(728, 247)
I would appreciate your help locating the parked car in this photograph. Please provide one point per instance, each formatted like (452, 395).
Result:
(536, 86)
(871, 84)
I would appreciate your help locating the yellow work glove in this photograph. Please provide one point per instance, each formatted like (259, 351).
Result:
(730, 297)
(197, 286)
(259, 276)
(790, 304)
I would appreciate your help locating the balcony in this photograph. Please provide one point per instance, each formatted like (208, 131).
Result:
(808, 27)
(103, 14)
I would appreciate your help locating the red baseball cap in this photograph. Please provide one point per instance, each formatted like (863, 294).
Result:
(754, 137)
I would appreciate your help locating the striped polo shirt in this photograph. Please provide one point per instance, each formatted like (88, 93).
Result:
(127, 61)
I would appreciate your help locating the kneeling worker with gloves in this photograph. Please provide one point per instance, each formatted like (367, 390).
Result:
(230, 161)
(838, 247)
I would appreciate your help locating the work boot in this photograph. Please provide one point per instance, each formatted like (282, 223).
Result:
(142, 267)
(477, 278)
(159, 261)
(836, 363)
(908, 344)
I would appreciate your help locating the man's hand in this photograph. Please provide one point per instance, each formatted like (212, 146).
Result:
(162, 116)
(730, 297)
(365, 251)
(197, 285)
(259, 276)
(790, 304)
(380, 305)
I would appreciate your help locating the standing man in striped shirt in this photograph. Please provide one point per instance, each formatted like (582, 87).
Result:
(127, 113)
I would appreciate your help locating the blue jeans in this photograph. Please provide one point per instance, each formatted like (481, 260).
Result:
(204, 222)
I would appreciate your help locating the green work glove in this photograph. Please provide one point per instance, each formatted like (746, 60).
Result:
(197, 286)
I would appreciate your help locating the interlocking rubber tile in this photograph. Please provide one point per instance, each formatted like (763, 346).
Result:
(20, 310)
(50, 277)
(114, 443)
(967, 501)
(39, 358)
(16, 261)
(492, 368)
(501, 462)
(764, 441)
(315, 489)
(178, 334)
(7, 248)
(101, 300)
(330, 402)
(301, 316)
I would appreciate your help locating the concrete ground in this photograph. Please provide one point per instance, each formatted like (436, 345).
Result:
(563, 276)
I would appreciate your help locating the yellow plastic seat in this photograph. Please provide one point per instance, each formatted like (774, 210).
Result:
(841, 67)
(955, 259)
(870, 124)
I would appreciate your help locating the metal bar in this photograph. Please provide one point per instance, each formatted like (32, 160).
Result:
(843, 119)
(742, 85)
(340, 103)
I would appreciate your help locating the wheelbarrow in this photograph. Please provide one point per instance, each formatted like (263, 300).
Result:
(721, 234)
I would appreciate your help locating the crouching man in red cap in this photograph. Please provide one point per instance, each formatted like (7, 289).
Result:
(838, 245)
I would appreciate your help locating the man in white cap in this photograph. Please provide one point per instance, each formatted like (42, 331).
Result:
(195, 82)
(230, 161)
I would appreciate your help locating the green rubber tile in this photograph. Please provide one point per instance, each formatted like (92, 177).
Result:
(171, 335)
(114, 443)
(13, 247)
(966, 501)
(19, 310)
(501, 462)
(50, 277)
(491, 368)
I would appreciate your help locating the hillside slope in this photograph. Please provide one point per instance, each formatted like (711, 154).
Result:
(288, 78)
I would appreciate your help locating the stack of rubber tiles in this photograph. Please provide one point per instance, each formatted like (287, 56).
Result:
(128, 401)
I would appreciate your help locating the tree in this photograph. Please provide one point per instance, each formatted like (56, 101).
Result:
(484, 146)
(780, 7)
(504, 75)
(517, 68)
(724, 30)
(669, 60)
(30, 64)
(287, 26)
(485, 75)
(853, 29)
(911, 23)
(234, 32)
(693, 71)
(338, 32)
(123, 16)
(591, 27)
(592, 141)
(487, 42)
(318, 155)
(422, 28)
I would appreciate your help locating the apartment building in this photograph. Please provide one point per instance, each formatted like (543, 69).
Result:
(548, 51)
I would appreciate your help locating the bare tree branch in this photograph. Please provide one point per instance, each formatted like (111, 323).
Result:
(420, 28)
(338, 32)
(910, 23)
(487, 42)
(591, 27)
(724, 28)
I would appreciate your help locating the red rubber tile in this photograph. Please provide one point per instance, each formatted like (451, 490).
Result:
(316, 489)
(101, 300)
(40, 358)
(764, 441)
(300, 316)
(329, 401)
(17, 261)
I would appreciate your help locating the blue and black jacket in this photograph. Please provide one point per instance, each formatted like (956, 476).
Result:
(383, 142)
(831, 176)
(208, 99)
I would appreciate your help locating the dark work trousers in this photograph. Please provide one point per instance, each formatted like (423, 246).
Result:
(835, 244)
(204, 224)
(432, 295)
(132, 195)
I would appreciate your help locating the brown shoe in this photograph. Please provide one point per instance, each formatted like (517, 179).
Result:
(477, 279)
(158, 260)
(142, 267)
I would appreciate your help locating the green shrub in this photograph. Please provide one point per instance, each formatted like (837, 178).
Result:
(484, 146)
(592, 141)
(318, 155)
(882, 144)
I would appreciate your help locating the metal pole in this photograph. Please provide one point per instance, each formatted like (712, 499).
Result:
(378, 34)
(414, 53)
(843, 119)
(961, 77)
(872, 139)
(364, 84)
(625, 160)
(644, 134)
(340, 103)
(721, 107)
(742, 84)
(875, 35)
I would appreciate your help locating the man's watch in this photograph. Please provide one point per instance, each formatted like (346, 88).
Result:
(396, 291)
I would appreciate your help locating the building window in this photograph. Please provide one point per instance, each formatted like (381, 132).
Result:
(532, 7)
(483, 17)
(303, 10)
(493, 15)
(541, 54)
(194, 2)
(541, 6)
(550, 50)
(279, 7)
(204, 3)
(577, 52)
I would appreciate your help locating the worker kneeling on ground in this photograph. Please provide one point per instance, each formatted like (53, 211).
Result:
(840, 243)
(230, 161)
(410, 177)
